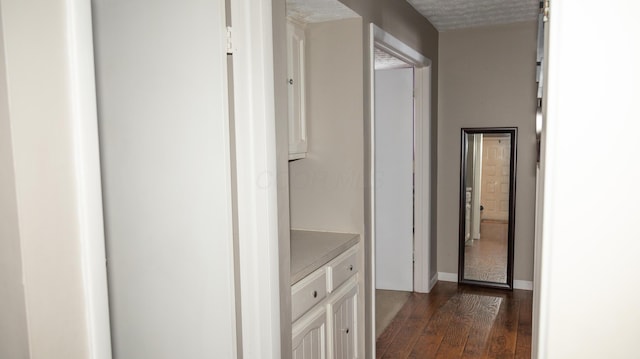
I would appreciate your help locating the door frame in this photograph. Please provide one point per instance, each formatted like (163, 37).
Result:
(423, 279)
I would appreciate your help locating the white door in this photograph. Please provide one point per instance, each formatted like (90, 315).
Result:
(296, 90)
(343, 314)
(394, 179)
(165, 157)
(495, 177)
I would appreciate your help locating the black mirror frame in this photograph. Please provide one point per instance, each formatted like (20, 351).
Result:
(513, 132)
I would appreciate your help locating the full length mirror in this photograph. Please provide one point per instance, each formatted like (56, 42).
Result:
(487, 205)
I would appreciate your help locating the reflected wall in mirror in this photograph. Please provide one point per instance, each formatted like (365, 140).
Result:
(487, 206)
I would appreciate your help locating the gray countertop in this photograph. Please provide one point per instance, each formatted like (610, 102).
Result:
(311, 250)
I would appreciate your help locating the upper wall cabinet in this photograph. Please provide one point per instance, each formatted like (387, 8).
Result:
(296, 92)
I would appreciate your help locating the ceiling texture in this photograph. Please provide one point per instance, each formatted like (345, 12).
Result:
(443, 14)
(459, 14)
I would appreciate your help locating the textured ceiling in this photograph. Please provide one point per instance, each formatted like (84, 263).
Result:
(311, 11)
(458, 14)
(385, 61)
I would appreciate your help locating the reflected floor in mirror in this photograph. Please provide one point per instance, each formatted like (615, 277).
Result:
(486, 258)
(457, 321)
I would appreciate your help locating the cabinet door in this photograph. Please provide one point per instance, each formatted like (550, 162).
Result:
(343, 318)
(296, 92)
(309, 335)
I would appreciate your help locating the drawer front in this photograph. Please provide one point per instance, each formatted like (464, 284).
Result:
(343, 268)
(308, 292)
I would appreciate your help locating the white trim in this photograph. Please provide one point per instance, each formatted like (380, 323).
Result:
(448, 277)
(522, 284)
(422, 134)
(371, 271)
(392, 45)
(256, 175)
(84, 118)
(538, 343)
(422, 179)
(423, 279)
(434, 281)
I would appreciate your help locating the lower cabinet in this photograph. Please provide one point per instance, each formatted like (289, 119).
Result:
(330, 329)
(343, 319)
(309, 335)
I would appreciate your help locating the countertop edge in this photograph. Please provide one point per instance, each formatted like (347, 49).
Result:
(323, 258)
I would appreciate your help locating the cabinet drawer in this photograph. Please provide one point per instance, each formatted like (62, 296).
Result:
(308, 292)
(342, 268)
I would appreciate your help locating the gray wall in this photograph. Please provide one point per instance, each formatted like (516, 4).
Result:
(14, 341)
(487, 79)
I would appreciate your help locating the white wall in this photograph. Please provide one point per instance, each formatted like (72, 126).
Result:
(394, 178)
(165, 151)
(52, 119)
(590, 241)
(14, 338)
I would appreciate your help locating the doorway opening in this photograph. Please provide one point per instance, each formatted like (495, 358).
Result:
(400, 176)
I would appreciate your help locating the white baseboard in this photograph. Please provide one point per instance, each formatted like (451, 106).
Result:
(522, 284)
(448, 277)
(433, 281)
(517, 284)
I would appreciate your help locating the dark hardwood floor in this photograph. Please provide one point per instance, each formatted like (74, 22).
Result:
(460, 322)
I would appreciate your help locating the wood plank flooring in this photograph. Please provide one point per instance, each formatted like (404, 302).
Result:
(460, 322)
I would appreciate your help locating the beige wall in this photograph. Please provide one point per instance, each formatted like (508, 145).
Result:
(487, 79)
(326, 190)
(14, 338)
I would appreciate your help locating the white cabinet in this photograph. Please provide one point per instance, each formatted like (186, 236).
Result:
(309, 335)
(308, 292)
(326, 317)
(343, 319)
(296, 90)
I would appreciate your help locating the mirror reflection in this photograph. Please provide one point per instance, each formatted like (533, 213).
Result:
(486, 185)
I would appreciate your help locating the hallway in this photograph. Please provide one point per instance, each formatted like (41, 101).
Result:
(460, 322)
